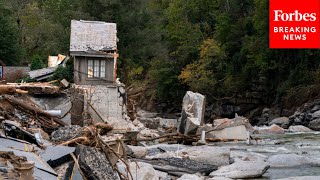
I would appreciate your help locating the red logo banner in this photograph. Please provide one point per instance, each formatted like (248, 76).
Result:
(294, 24)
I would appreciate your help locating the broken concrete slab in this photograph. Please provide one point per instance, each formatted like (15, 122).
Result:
(94, 164)
(178, 166)
(236, 133)
(57, 155)
(18, 144)
(236, 121)
(242, 170)
(192, 115)
(217, 156)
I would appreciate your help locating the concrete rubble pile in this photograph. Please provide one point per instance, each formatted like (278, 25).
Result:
(83, 132)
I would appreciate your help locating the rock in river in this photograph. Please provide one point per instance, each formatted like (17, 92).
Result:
(299, 128)
(280, 121)
(315, 125)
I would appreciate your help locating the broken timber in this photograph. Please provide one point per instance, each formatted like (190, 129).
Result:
(10, 89)
(31, 88)
(31, 109)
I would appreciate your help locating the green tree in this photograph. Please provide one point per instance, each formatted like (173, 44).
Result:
(36, 62)
(10, 50)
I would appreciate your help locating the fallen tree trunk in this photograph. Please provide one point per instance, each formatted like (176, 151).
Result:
(34, 88)
(10, 89)
(34, 110)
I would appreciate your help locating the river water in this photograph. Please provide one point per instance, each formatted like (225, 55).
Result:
(306, 144)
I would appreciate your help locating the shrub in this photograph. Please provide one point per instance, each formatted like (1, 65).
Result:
(36, 62)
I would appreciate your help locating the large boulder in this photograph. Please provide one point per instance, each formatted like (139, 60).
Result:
(316, 115)
(242, 170)
(281, 121)
(299, 128)
(273, 129)
(291, 160)
(207, 154)
(315, 124)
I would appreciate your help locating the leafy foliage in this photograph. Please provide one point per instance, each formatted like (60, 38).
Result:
(64, 72)
(36, 62)
(10, 52)
(215, 47)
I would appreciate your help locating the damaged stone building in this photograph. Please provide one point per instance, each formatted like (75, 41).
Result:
(93, 46)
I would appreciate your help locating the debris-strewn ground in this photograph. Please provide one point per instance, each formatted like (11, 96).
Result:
(40, 141)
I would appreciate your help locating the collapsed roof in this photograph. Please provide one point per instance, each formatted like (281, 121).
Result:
(92, 36)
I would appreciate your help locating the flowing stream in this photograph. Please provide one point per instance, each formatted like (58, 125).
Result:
(305, 144)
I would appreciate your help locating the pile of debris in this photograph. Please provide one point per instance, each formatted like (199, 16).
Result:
(50, 132)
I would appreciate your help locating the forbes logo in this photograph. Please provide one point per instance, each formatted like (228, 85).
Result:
(295, 16)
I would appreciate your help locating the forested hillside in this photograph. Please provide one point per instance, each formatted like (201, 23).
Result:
(216, 47)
